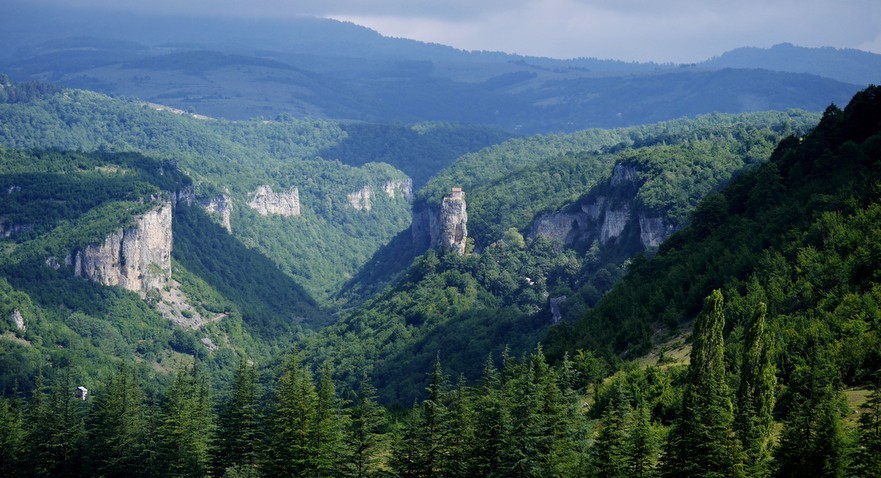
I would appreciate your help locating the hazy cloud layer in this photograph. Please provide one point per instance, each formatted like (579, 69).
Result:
(670, 30)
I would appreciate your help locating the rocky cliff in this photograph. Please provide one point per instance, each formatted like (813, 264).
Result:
(610, 214)
(444, 227)
(266, 202)
(220, 204)
(137, 258)
(360, 199)
(399, 187)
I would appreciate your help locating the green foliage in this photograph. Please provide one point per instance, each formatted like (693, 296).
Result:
(701, 442)
(753, 418)
(812, 441)
(184, 426)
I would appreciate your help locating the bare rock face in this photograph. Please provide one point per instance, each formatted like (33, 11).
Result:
(221, 205)
(614, 222)
(18, 319)
(137, 258)
(606, 215)
(360, 199)
(399, 188)
(653, 230)
(452, 223)
(266, 202)
(445, 228)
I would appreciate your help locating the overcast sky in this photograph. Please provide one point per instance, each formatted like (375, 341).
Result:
(678, 31)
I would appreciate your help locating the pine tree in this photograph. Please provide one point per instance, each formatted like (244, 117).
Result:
(329, 424)
(185, 426)
(55, 429)
(867, 456)
(461, 462)
(12, 435)
(812, 441)
(755, 396)
(701, 442)
(643, 443)
(609, 453)
(435, 427)
(118, 427)
(366, 423)
(408, 459)
(240, 422)
(493, 421)
(291, 449)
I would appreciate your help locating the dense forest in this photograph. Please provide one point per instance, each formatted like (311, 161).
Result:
(228, 257)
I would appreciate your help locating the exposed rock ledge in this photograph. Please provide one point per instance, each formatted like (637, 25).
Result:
(445, 228)
(137, 258)
(266, 202)
(360, 199)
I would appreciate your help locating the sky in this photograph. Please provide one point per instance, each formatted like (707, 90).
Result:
(678, 31)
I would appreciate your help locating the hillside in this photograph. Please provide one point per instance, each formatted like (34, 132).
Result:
(534, 259)
(311, 68)
(350, 202)
(798, 233)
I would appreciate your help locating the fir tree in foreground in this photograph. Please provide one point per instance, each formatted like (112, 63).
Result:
(701, 443)
(754, 418)
(812, 442)
(867, 456)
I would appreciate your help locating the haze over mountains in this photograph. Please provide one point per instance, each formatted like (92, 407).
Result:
(324, 68)
(197, 204)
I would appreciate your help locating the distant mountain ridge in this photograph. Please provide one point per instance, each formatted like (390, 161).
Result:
(310, 67)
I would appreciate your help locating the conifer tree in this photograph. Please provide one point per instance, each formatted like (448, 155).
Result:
(291, 449)
(461, 462)
(435, 428)
(240, 422)
(55, 429)
(185, 426)
(609, 453)
(493, 421)
(755, 396)
(867, 455)
(408, 459)
(643, 443)
(366, 423)
(328, 438)
(12, 435)
(701, 442)
(812, 441)
(118, 427)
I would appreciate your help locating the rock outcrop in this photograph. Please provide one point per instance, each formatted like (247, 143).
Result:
(266, 202)
(220, 204)
(445, 228)
(607, 216)
(399, 188)
(137, 258)
(452, 223)
(18, 320)
(360, 199)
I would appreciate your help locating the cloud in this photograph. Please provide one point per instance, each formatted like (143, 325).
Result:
(641, 30)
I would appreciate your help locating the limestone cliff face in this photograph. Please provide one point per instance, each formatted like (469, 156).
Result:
(399, 188)
(266, 202)
(445, 227)
(452, 223)
(360, 199)
(220, 204)
(607, 216)
(137, 258)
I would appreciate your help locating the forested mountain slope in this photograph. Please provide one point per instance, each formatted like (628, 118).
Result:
(799, 233)
(327, 69)
(107, 258)
(607, 195)
(349, 203)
